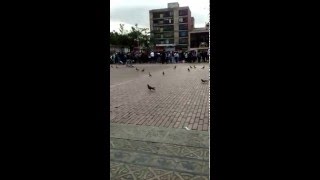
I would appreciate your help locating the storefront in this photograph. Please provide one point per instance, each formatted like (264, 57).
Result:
(199, 40)
(165, 47)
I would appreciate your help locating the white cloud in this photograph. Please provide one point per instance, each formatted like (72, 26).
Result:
(130, 12)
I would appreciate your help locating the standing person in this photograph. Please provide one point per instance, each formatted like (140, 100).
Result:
(176, 57)
(172, 57)
(199, 56)
(186, 56)
(189, 57)
(152, 56)
(194, 56)
(207, 56)
(181, 56)
(169, 57)
(163, 57)
(203, 55)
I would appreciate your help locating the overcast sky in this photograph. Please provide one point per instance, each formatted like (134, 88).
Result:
(130, 12)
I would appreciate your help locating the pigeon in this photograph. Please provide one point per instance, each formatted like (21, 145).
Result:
(175, 67)
(137, 69)
(151, 88)
(202, 67)
(190, 66)
(204, 81)
(150, 74)
(142, 70)
(116, 66)
(188, 69)
(163, 73)
(111, 66)
(194, 66)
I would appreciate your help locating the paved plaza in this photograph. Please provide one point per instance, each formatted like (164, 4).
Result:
(161, 133)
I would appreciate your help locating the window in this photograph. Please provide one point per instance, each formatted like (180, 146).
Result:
(183, 20)
(159, 41)
(183, 12)
(156, 15)
(183, 26)
(157, 35)
(183, 33)
(168, 14)
(168, 21)
(155, 21)
(168, 34)
(168, 28)
(183, 41)
(197, 38)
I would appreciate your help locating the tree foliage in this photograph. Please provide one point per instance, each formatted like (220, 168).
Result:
(135, 37)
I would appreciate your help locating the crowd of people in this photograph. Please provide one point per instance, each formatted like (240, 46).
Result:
(159, 57)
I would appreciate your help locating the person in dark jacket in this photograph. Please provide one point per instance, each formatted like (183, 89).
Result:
(163, 57)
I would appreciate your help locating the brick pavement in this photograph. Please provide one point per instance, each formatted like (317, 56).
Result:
(180, 99)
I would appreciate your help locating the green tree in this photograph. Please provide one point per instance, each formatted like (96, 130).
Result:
(131, 39)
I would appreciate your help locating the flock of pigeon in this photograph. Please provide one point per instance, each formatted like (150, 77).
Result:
(175, 67)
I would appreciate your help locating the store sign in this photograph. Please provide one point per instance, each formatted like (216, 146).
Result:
(165, 45)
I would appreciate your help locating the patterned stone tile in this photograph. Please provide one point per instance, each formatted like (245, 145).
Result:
(166, 176)
(142, 159)
(122, 170)
(174, 149)
(198, 153)
(184, 176)
(163, 162)
(126, 177)
(123, 144)
(120, 156)
(200, 178)
(144, 149)
(161, 149)
(190, 166)
(133, 167)
(114, 170)
(145, 173)
(156, 134)
(206, 154)
(161, 135)
(138, 172)
(137, 144)
(205, 168)
(160, 172)
(114, 164)
(155, 147)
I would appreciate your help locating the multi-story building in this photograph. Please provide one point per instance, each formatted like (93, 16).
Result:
(199, 39)
(170, 27)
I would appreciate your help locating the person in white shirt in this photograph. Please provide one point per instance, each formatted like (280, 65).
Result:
(152, 56)
(176, 56)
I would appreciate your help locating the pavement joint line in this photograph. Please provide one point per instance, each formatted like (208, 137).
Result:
(162, 155)
(161, 143)
(175, 136)
(164, 168)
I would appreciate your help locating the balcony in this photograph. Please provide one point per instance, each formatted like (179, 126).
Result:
(183, 12)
